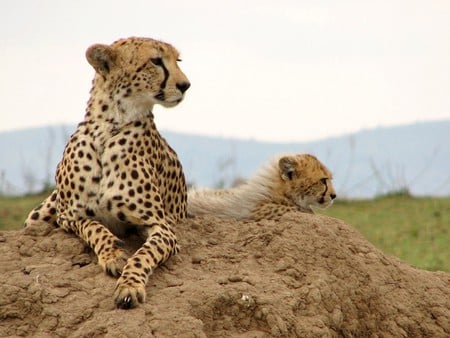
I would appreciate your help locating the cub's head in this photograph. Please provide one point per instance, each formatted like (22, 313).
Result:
(306, 181)
(138, 73)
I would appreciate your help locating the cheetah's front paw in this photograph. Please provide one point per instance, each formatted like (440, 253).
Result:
(128, 296)
(113, 260)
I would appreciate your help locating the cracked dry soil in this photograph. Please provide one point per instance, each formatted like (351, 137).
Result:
(304, 276)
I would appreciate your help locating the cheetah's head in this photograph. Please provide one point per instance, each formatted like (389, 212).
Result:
(137, 73)
(306, 181)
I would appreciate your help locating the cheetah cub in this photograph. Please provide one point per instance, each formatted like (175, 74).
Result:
(288, 183)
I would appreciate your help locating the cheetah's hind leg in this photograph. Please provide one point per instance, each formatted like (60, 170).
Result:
(44, 213)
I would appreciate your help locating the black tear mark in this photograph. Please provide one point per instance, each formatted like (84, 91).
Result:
(166, 75)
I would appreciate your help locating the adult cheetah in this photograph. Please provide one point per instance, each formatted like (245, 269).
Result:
(117, 171)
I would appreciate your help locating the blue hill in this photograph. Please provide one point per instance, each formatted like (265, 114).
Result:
(367, 163)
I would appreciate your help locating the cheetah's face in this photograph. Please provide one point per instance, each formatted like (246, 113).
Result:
(138, 73)
(306, 181)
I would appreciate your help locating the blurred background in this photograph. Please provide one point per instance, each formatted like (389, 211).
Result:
(363, 85)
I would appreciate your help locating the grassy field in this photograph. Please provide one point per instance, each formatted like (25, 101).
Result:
(14, 210)
(417, 230)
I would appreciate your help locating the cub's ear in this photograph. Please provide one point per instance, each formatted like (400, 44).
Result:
(287, 166)
(102, 58)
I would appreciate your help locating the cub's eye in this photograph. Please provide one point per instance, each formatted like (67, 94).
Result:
(179, 60)
(323, 180)
(157, 61)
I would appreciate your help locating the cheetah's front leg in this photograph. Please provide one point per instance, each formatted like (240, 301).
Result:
(108, 248)
(159, 246)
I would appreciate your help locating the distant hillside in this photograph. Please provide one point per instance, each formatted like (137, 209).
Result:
(367, 163)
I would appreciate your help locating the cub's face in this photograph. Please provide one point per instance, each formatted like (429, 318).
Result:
(306, 181)
(138, 73)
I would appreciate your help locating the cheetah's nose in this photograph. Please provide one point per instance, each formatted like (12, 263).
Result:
(183, 86)
(333, 196)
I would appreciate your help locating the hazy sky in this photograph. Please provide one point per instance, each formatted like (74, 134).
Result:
(274, 70)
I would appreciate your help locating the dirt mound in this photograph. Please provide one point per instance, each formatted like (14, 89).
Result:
(305, 276)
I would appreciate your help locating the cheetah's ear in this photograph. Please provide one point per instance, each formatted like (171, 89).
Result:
(287, 166)
(102, 58)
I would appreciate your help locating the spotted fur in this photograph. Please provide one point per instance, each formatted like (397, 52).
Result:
(289, 183)
(117, 172)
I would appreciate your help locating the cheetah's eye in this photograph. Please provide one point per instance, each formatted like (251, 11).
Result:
(323, 180)
(157, 61)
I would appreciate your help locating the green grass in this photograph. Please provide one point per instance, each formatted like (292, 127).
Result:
(14, 210)
(417, 230)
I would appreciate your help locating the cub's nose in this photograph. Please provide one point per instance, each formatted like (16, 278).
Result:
(183, 86)
(333, 196)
